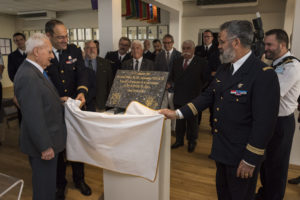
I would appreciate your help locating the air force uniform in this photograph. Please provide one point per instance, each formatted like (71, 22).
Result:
(245, 105)
(275, 168)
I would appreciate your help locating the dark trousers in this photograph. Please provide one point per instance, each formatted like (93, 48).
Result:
(188, 126)
(77, 169)
(229, 187)
(274, 169)
(43, 178)
(1, 111)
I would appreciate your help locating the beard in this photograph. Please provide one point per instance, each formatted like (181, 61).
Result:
(228, 55)
(272, 54)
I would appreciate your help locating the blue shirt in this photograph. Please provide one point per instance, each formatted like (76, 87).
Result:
(94, 63)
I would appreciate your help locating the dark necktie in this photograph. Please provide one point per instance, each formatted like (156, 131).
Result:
(231, 68)
(185, 65)
(120, 58)
(59, 55)
(168, 58)
(136, 67)
(90, 65)
(24, 55)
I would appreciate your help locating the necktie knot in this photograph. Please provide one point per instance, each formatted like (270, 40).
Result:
(46, 75)
(90, 64)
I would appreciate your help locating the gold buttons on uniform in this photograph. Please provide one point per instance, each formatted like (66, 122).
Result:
(63, 81)
(217, 108)
(214, 90)
(221, 98)
(215, 119)
(237, 100)
(62, 71)
(66, 90)
(216, 130)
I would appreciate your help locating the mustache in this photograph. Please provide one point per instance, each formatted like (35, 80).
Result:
(186, 53)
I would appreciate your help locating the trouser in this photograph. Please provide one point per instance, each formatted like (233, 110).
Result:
(274, 169)
(43, 178)
(188, 126)
(77, 169)
(230, 187)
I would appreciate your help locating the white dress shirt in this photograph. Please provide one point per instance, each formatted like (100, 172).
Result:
(139, 65)
(36, 65)
(240, 62)
(289, 81)
(56, 53)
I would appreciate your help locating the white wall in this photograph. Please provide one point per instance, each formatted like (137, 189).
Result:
(192, 25)
(6, 31)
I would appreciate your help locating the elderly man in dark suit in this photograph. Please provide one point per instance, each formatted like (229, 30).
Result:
(245, 96)
(116, 58)
(188, 78)
(100, 78)
(43, 130)
(138, 62)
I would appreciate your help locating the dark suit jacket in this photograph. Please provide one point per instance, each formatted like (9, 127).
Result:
(147, 65)
(43, 123)
(69, 75)
(148, 55)
(15, 59)
(113, 57)
(245, 111)
(212, 56)
(188, 83)
(161, 61)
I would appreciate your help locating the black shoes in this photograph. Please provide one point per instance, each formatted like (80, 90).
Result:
(294, 180)
(84, 188)
(60, 193)
(191, 146)
(176, 145)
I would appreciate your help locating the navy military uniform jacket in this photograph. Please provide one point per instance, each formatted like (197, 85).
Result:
(245, 110)
(69, 75)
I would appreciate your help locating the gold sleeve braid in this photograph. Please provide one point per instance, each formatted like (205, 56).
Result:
(255, 150)
(82, 87)
(193, 108)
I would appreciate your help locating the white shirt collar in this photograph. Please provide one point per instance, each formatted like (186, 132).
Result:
(36, 65)
(122, 56)
(170, 52)
(281, 58)
(140, 62)
(56, 53)
(208, 46)
(240, 62)
(21, 51)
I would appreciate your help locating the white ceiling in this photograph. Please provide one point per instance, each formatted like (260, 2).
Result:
(15, 6)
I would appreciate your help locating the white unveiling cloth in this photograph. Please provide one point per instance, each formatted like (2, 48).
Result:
(128, 143)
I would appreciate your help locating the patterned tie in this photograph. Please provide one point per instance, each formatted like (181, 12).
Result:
(136, 67)
(185, 65)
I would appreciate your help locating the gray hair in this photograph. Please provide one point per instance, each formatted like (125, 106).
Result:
(36, 40)
(138, 42)
(241, 29)
(189, 42)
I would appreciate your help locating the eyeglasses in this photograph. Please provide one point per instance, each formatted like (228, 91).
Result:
(167, 42)
(61, 37)
(221, 42)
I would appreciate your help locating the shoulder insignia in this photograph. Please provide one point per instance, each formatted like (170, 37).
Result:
(267, 68)
(288, 61)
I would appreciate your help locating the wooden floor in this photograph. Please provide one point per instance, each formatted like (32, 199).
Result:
(192, 174)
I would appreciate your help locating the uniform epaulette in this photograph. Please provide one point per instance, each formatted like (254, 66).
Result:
(288, 61)
(267, 68)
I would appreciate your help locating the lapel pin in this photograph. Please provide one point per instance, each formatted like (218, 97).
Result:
(240, 85)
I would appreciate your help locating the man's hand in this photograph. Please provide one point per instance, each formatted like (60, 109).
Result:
(170, 114)
(64, 99)
(81, 97)
(48, 154)
(244, 170)
(168, 85)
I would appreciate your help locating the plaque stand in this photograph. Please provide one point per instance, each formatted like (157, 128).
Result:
(119, 186)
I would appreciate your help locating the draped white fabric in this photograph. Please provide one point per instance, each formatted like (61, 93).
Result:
(127, 143)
